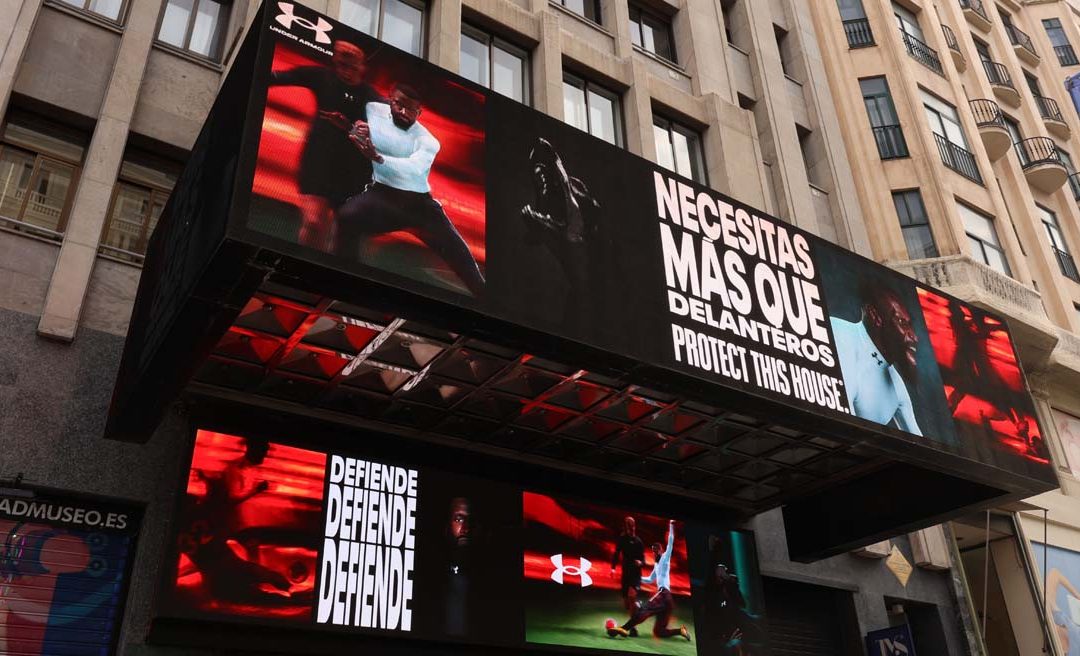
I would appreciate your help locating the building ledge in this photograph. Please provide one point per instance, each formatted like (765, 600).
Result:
(980, 285)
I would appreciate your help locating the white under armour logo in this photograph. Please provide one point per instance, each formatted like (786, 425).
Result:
(288, 18)
(562, 570)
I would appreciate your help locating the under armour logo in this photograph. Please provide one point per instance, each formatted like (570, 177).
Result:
(562, 570)
(288, 18)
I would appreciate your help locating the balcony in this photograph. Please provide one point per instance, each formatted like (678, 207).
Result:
(859, 34)
(1001, 82)
(1022, 45)
(890, 141)
(1067, 264)
(922, 53)
(1074, 182)
(975, 13)
(954, 49)
(1042, 164)
(958, 159)
(1066, 55)
(991, 123)
(1052, 117)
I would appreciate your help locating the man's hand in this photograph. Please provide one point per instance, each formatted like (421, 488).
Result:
(612, 572)
(366, 147)
(337, 119)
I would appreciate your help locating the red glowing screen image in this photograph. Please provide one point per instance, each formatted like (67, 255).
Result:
(248, 536)
(309, 176)
(984, 385)
(593, 571)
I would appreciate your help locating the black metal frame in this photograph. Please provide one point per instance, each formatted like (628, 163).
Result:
(987, 113)
(859, 34)
(1036, 151)
(958, 159)
(922, 53)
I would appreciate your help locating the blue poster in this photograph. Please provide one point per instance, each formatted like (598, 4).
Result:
(1062, 568)
(893, 641)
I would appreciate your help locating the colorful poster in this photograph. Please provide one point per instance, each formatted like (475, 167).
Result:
(1062, 567)
(64, 566)
(1068, 432)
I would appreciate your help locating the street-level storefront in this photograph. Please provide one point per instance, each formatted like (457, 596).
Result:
(457, 376)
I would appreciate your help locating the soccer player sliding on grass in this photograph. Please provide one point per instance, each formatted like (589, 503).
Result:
(661, 604)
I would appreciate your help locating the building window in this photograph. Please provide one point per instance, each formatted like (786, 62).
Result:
(678, 148)
(727, 10)
(197, 26)
(588, 8)
(592, 108)
(787, 57)
(951, 142)
(39, 168)
(397, 22)
(983, 239)
(105, 8)
(140, 193)
(495, 64)
(652, 33)
(1062, 48)
(1058, 245)
(856, 26)
(914, 224)
(883, 119)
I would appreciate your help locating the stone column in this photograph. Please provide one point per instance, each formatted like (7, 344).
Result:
(637, 112)
(444, 34)
(547, 73)
(75, 263)
(20, 16)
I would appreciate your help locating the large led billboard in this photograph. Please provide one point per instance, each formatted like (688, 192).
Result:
(379, 164)
(277, 535)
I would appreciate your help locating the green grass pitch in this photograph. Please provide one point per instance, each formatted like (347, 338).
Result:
(581, 624)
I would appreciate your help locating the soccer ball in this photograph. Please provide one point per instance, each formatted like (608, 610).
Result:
(610, 623)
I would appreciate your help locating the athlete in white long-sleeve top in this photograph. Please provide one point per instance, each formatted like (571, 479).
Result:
(402, 152)
(661, 604)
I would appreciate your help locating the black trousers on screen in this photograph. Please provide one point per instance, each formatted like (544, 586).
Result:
(659, 605)
(381, 209)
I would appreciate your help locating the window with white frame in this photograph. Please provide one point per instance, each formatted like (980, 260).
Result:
(592, 108)
(110, 9)
(493, 63)
(197, 26)
(397, 22)
(678, 148)
(983, 239)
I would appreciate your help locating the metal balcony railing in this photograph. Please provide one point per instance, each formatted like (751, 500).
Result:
(1074, 182)
(859, 34)
(1019, 38)
(975, 6)
(998, 74)
(1066, 55)
(922, 53)
(1067, 264)
(958, 159)
(987, 113)
(890, 141)
(950, 38)
(1036, 151)
(1048, 109)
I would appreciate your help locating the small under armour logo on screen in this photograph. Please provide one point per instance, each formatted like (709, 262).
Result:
(288, 18)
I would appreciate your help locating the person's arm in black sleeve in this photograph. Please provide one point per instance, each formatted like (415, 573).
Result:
(301, 76)
(618, 552)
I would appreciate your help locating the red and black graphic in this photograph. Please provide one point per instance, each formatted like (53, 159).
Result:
(983, 382)
(370, 157)
(250, 529)
(603, 578)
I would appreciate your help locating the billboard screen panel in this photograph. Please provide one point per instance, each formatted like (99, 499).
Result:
(277, 535)
(377, 163)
